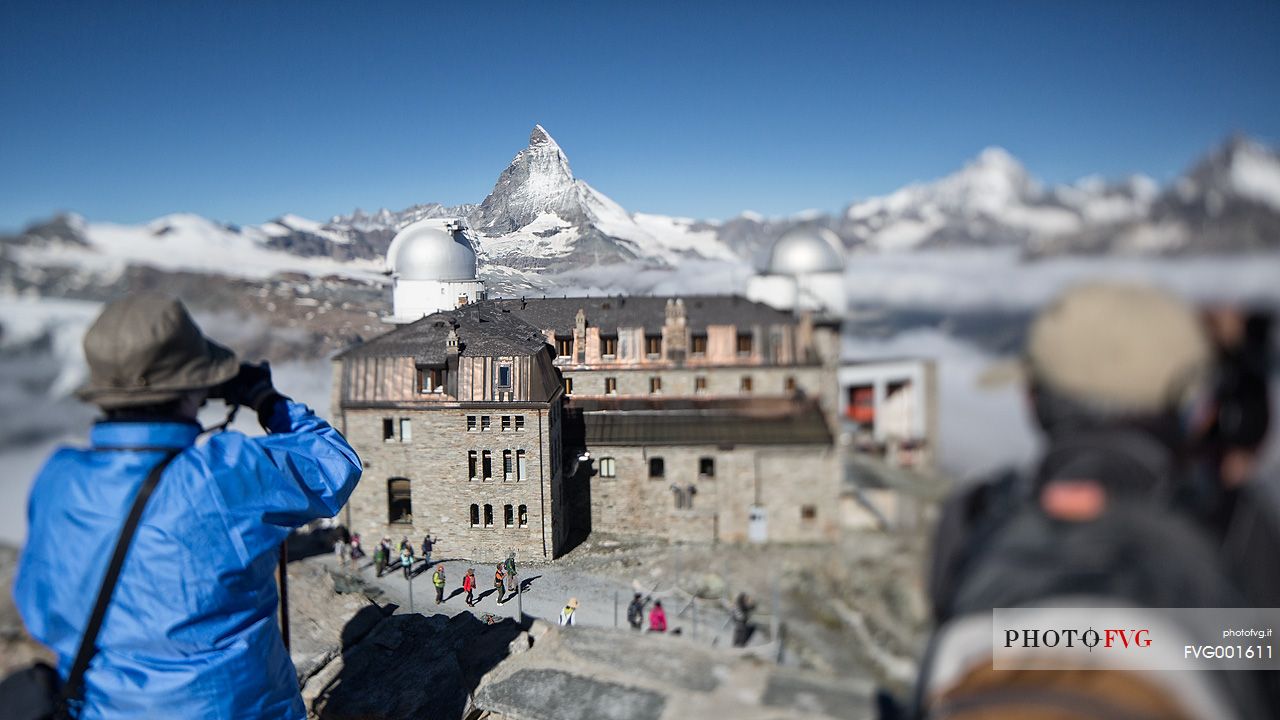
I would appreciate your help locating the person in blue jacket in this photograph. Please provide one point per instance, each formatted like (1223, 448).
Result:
(192, 630)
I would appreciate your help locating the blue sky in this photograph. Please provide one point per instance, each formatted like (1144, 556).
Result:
(244, 111)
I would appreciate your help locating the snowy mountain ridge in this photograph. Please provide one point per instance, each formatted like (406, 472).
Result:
(539, 218)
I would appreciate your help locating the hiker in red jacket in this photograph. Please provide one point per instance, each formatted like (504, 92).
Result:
(469, 585)
(657, 618)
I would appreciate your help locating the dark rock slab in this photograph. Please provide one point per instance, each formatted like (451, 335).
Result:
(413, 667)
(537, 694)
(797, 693)
(688, 670)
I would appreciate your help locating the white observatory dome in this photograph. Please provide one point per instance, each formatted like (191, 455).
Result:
(806, 250)
(432, 249)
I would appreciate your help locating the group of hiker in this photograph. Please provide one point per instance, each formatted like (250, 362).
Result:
(505, 581)
(739, 614)
(347, 547)
(505, 573)
(387, 556)
(636, 614)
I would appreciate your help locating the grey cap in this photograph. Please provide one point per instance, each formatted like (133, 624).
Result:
(144, 348)
(1128, 349)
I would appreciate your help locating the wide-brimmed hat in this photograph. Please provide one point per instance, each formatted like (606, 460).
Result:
(145, 349)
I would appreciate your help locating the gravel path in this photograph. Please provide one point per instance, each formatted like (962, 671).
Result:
(545, 590)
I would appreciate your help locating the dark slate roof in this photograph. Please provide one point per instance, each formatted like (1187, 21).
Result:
(483, 330)
(692, 422)
(610, 313)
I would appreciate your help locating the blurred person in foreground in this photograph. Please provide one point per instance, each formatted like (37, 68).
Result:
(1238, 506)
(191, 630)
(1123, 509)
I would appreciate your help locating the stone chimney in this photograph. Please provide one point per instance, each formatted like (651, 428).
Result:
(451, 349)
(451, 343)
(675, 331)
(580, 337)
(805, 350)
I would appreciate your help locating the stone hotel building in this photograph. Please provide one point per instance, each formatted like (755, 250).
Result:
(526, 424)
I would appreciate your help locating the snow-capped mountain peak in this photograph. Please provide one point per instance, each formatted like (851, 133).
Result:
(540, 136)
(1241, 168)
(991, 181)
(537, 182)
(540, 211)
(992, 197)
(995, 166)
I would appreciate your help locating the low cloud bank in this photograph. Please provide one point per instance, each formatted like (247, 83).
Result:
(980, 429)
(998, 279)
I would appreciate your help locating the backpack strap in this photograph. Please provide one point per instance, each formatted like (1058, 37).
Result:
(70, 698)
(966, 524)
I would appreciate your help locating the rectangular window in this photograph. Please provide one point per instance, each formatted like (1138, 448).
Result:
(608, 469)
(611, 386)
(486, 465)
(488, 516)
(564, 347)
(700, 384)
(475, 515)
(399, 503)
(744, 343)
(471, 423)
(471, 465)
(808, 512)
(862, 405)
(524, 516)
(507, 466)
(657, 468)
(706, 467)
(789, 384)
(520, 466)
(746, 384)
(653, 345)
(506, 423)
(609, 345)
(508, 516)
(519, 423)
(406, 430)
(485, 425)
(431, 380)
(568, 386)
(698, 344)
(504, 376)
(388, 429)
(655, 385)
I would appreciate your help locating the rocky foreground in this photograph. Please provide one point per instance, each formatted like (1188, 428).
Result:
(382, 665)
(17, 649)
(360, 656)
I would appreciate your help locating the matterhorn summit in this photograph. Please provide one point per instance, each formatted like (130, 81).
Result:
(539, 215)
(538, 182)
